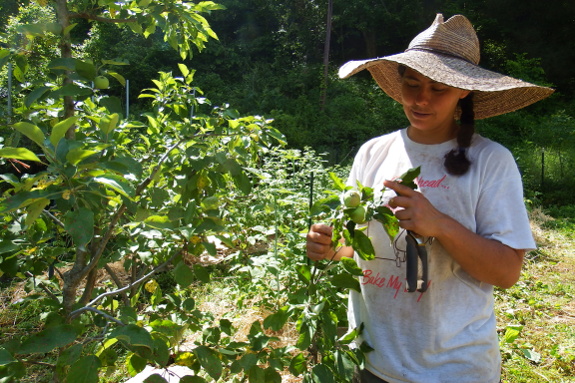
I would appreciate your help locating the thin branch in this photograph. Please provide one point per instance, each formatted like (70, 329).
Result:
(53, 218)
(118, 283)
(89, 16)
(41, 285)
(100, 312)
(125, 288)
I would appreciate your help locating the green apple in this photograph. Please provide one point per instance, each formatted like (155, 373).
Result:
(101, 82)
(357, 215)
(351, 198)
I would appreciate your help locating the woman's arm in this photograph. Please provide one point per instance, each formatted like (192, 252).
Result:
(486, 260)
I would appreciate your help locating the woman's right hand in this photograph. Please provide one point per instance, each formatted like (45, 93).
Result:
(318, 244)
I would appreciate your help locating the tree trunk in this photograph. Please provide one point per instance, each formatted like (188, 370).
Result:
(326, 53)
(66, 52)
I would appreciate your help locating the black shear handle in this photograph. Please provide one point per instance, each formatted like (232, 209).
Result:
(416, 256)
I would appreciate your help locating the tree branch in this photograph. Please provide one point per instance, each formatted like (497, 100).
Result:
(89, 16)
(88, 307)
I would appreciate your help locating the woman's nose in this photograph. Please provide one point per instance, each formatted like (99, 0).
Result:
(422, 96)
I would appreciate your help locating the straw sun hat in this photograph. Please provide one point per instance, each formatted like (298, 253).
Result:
(448, 52)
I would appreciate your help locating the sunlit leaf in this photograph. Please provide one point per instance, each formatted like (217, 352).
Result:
(34, 210)
(77, 155)
(118, 184)
(363, 246)
(59, 130)
(31, 131)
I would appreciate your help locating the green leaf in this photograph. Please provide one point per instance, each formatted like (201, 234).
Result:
(19, 154)
(159, 222)
(201, 273)
(24, 199)
(183, 275)
(34, 210)
(80, 225)
(6, 357)
(248, 360)
(63, 64)
(532, 355)
(59, 130)
(277, 320)
(86, 70)
(31, 131)
(209, 361)
(71, 90)
(346, 281)
(117, 184)
(322, 374)
(49, 339)
(512, 332)
(192, 379)
(298, 365)
(363, 246)
(409, 177)
(135, 364)
(70, 355)
(77, 155)
(37, 94)
(109, 123)
(85, 370)
(350, 265)
(155, 378)
(390, 223)
(337, 182)
(243, 182)
(304, 273)
(133, 335)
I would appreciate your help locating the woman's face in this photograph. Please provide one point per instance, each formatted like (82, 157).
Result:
(429, 107)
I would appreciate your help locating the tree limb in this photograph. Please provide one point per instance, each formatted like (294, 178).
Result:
(88, 307)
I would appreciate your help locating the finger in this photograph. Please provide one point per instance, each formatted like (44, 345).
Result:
(398, 188)
(318, 237)
(321, 228)
(316, 251)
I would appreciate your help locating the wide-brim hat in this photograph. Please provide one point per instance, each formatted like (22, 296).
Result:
(448, 52)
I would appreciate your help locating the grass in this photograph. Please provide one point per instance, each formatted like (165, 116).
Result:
(536, 317)
(540, 309)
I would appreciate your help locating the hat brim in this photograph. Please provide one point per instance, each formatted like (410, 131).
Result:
(494, 93)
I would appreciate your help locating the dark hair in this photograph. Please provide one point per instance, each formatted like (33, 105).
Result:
(456, 161)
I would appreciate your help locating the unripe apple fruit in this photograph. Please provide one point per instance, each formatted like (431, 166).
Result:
(101, 82)
(358, 215)
(351, 198)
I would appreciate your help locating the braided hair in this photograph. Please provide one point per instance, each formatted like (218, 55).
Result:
(456, 161)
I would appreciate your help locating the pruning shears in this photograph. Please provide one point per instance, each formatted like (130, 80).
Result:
(416, 263)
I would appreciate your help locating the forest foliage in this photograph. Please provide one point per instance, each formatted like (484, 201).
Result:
(119, 145)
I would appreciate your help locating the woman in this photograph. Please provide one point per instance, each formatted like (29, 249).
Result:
(468, 209)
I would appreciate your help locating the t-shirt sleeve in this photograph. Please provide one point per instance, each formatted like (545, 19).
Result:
(501, 214)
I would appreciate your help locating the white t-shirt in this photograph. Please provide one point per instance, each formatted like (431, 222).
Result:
(447, 334)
